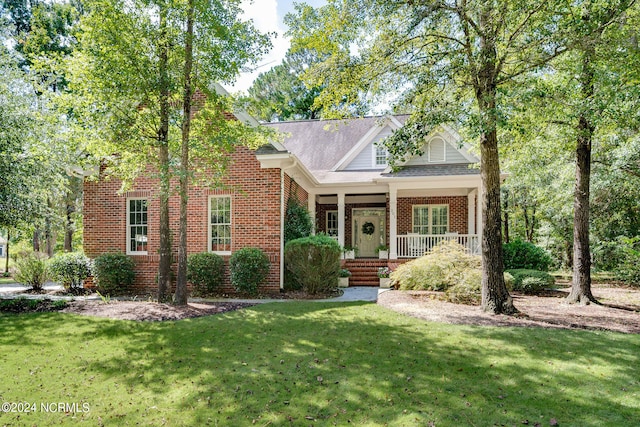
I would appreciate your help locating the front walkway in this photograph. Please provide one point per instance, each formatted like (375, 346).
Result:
(354, 293)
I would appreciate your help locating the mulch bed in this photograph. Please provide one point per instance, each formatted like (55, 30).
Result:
(150, 311)
(619, 310)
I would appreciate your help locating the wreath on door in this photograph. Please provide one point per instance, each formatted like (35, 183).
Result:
(368, 228)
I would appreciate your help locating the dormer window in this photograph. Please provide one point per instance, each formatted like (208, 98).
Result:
(381, 156)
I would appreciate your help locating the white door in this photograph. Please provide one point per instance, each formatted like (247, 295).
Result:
(368, 231)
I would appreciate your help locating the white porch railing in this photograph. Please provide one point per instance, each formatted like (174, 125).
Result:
(416, 245)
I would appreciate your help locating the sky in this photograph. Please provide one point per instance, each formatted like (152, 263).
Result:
(268, 16)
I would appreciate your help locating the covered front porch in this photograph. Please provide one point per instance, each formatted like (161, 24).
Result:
(402, 222)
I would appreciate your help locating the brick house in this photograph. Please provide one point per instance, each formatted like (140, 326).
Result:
(337, 169)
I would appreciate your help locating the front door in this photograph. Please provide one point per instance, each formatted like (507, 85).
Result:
(369, 231)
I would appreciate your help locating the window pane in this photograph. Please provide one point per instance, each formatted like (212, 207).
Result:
(421, 219)
(137, 225)
(220, 223)
(440, 219)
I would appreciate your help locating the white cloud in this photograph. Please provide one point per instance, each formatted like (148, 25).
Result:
(265, 17)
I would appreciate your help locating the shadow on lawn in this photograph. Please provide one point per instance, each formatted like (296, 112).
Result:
(309, 363)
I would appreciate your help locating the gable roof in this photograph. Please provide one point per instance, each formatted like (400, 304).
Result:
(326, 150)
(321, 144)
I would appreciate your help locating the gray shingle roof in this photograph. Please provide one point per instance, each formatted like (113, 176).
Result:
(434, 170)
(320, 144)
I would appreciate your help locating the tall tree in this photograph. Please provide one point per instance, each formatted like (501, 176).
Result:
(595, 18)
(579, 102)
(139, 65)
(451, 61)
(279, 94)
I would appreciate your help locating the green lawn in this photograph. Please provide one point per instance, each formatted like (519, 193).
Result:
(309, 363)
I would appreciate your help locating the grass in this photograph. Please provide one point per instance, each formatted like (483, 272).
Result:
(309, 363)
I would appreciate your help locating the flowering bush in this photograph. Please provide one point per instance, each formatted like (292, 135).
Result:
(384, 272)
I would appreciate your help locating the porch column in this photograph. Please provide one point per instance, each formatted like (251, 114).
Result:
(393, 223)
(341, 219)
(471, 215)
(312, 212)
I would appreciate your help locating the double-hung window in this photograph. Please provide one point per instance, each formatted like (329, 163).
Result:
(332, 223)
(430, 219)
(381, 156)
(220, 224)
(137, 226)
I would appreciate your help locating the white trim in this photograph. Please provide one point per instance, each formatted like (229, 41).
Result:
(282, 217)
(374, 162)
(430, 217)
(341, 219)
(129, 225)
(444, 149)
(365, 140)
(326, 221)
(393, 222)
(383, 232)
(209, 225)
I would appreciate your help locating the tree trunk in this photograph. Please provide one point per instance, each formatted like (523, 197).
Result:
(6, 260)
(581, 285)
(506, 218)
(181, 283)
(495, 296)
(68, 229)
(36, 240)
(164, 265)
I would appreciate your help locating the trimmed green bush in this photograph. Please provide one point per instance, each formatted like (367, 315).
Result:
(519, 254)
(298, 222)
(70, 269)
(205, 271)
(32, 270)
(249, 268)
(314, 262)
(113, 273)
(531, 281)
(444, 266)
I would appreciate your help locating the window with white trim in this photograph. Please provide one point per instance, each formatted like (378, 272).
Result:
(437, 151)
(381, 155)
(220, 224)
(430, 219)
(137, 226)
(332, 223)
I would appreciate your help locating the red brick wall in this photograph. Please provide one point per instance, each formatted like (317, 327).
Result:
(255, 217)
(458, 212)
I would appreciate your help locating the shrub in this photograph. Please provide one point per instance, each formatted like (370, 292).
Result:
(70, 269)
(32, 270)
(508, 281)
(467, 291)
(344, 273)
(531, 281)
(25, 305)
(249, 268)
(444, 266)
(629, 268)
(205, 271)
(519, 254)
(298, 222)
(314, 262)
(113, 273)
